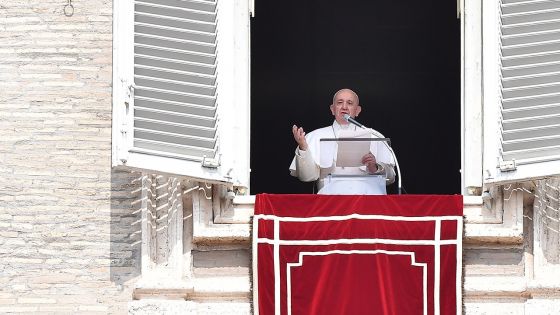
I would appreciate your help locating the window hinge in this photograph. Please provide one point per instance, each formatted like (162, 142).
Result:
(252, 8)
(508, 166)
(128, 91)
(210, 163)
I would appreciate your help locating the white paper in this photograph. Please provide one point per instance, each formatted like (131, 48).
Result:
(350, 153)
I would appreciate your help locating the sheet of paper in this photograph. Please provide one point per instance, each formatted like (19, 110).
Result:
(350, 152)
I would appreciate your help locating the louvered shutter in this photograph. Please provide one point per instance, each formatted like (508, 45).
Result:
(186, 87)
(529, 75)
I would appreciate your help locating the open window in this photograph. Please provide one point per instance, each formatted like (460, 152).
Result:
(181, 88)
(524, 127)
(516, 104)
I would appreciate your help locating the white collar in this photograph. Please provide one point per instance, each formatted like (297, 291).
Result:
(337, 127)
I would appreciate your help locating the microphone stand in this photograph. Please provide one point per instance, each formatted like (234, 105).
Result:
(399, 183)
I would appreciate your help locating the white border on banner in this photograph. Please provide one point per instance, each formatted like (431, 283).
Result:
(276, 267)
(255, 267)
(337, 241)
(357, 216)
(368, 252)
(437, 266)
(459, 272)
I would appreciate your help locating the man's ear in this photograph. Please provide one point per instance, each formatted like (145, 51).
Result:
(358, 110)
(332, 107)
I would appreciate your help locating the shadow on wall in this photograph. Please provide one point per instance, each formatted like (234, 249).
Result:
(546, 211)
(125, 228)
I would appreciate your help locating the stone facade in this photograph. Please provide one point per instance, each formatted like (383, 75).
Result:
(77, 236)
(69, 227)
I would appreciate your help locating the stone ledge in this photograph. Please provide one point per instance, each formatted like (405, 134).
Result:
(236, 287)
(545, 288)
(510, 287)
(222, 233)
(166, 307)
(199, 288)
(241, 211)
(492, 233)
(494, 287)
(162, 289)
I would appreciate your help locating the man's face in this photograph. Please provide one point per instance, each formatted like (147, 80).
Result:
(345, 102)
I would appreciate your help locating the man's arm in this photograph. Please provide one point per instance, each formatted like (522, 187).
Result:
(306, 169)
(379, 168)
(388, 170)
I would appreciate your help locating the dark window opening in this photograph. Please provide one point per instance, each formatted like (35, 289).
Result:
(401, 57)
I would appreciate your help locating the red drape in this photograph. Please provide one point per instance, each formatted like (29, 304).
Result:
(318, 254)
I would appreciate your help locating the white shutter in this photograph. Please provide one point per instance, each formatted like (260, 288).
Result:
(529, 100)
(189, 65)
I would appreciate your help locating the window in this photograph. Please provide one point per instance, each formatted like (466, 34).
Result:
(511, 91)
(525, 86)
(181, 88)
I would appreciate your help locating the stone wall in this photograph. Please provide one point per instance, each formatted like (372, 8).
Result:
(69, 231)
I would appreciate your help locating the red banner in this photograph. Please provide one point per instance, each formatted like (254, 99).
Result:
(319, 254)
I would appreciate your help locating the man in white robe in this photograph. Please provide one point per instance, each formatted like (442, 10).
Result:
(308, 166)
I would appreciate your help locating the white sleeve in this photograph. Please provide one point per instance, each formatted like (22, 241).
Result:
(388, 170)
(304, 167)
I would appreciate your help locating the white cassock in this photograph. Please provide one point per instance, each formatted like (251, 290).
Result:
(319, 162)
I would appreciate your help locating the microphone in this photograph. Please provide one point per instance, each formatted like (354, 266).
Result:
(353, 121)
(377, 134)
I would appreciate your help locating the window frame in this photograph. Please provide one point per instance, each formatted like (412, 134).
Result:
(481, 160)
(231, 165)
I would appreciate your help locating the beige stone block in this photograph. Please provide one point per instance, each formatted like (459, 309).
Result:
(21, 226)
(25, 251)
(7, 51)
(18, 309)
(37, 288)
(25, 300)
(35, 172)
(93, 308)
(53, 278)
(25, 28)
(14, 107)
(63, 27)
(59, 122)
(22, 218)
(64, 83)
(9, 234)
(58, 309)
(11, 59)
(21, 20)
(40, 75)
(42, 50)
(6, 198)
(19, 288)
(15, 137)
(23, 261)
(49, 252)
(6, 295)
(53, 261)
(8, 84)
(103, 261)
(50, 34)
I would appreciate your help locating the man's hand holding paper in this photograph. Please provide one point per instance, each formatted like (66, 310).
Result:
(354, 149)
